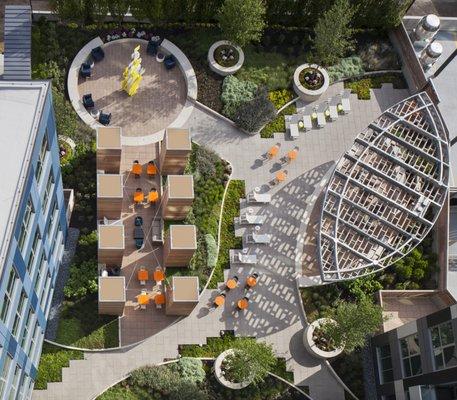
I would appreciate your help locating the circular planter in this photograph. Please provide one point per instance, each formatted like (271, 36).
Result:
(311, 346)
(306, 94)
(220, 69)
(218, 373)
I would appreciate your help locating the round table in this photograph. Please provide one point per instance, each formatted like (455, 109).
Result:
(242, 304)
(95, 113)
(160, 57)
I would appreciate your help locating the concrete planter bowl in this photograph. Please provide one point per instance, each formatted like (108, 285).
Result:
(308, 94)
(219, 373)
(220, 69)
(311, 346)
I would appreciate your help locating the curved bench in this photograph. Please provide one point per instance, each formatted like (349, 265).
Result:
(184, 65)
(72, 82)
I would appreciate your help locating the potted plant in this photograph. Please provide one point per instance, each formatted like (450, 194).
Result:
(247, 362)
(310, 81)
(344, 328)
(241, 22)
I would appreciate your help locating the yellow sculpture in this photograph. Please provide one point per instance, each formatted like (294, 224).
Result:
(133, 73)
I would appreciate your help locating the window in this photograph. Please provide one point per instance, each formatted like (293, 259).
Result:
(15, 382)
(410, 353)
(25, 225)
(19, 312)
(5, 372)
(47, 192)
(52, 219)
(23, 387)
(40, 272)
(9, 292)
(33, 340)
(42, 157)
(385, 364)
(28, 321)
(33, 250)
(443, 345)
(44, 293)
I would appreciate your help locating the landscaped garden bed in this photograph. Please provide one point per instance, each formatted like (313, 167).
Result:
(363, 85)
(228, 240)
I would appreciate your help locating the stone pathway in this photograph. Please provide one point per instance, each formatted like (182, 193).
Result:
(275, 313)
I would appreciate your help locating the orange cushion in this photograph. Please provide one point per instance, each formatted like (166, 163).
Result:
(160, 299)
(138, 197)
(136, 169)
(159, 276)
(151, 169)
(153, 196)
(231, 284)
(251, 281)
(243, 304)
(143, 299)
(143, 275)
(219, 300)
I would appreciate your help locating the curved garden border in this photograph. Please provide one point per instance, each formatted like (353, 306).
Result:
(218, 373)
(307, 396)
(219, 69)
(311, 346)
(168, 48)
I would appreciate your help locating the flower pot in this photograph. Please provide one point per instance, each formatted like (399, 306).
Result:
(311, 346)
(219, 373)
(230, 54)
(306, 92)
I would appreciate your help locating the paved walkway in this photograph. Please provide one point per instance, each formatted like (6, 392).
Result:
(275, 313)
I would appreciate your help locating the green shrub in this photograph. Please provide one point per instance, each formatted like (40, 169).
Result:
(251, 361)
(279, 123)
(254, 114)
(189, 369)
(52, 360)
(236, 92)
(119, 392)
(206, 163)
(280, 97)
(351, 323)
(211, 250)
(228, 240)
(362, 86)
(154, 377)
(50, 70)
(346, 68)
(273, 77)
(185, 390)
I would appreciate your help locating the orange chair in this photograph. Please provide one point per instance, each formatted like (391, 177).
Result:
(151, 169)
(138, 196)
(153, 196)
(159, 275)
(219, 300)
(251, 280)
(273, 151)
(136, 169)
(143, 299)
(243, 303)
(281, 176)
(232, 283)
(159, 300)
(143, 275)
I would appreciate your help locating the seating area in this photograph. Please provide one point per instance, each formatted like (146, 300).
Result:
(317, 115)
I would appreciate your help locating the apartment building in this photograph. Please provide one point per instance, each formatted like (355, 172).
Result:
(33, 229)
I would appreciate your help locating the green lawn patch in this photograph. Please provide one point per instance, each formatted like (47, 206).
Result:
(278, 124)
(362, 86)
(235, 192)
(52, 360)
(80, 325)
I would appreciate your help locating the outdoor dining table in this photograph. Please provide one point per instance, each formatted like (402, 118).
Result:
(273, 151)
(243, 303)
(219, 300)
(231, 283)
(281, 176)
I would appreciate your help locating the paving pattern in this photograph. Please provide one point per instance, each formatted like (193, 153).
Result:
(158, 102)
(275, 313)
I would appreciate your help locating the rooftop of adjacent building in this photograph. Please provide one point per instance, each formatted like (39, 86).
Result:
(21, 107)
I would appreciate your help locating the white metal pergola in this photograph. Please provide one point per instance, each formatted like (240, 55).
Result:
(386, 192)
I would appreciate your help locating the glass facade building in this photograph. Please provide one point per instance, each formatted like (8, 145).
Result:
(33, 229)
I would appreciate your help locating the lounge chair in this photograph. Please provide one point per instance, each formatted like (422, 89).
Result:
(169, 62)
(258, 238)
(345, 103)
(87, 101)
(138, 236)
(306, 118)
(104, 119)
(259, 197)
(320, 111)
(293, 126)
(252, 219)
(98, 54)
(333, 108)
(237, 257)
(152, 48)
(85, 70)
